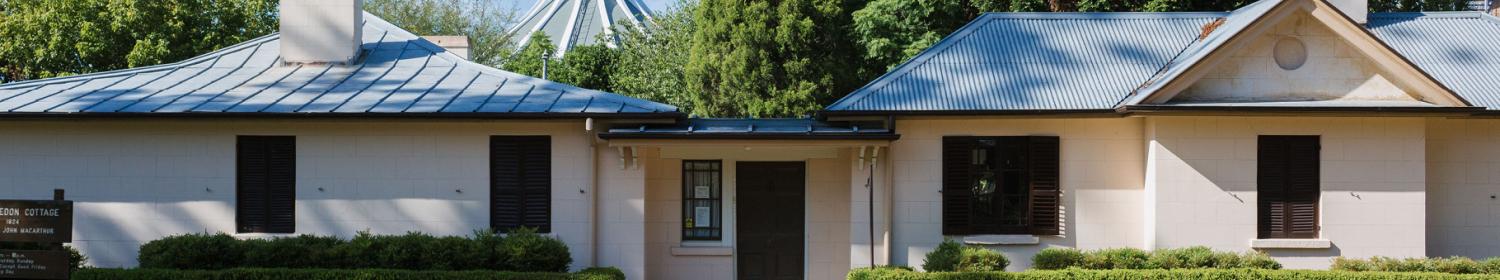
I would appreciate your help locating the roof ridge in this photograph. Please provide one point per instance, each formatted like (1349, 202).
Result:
(1102, 15)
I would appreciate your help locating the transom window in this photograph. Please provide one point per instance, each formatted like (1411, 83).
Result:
(702, 196)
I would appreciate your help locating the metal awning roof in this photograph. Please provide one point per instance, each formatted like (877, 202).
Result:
(751, 129)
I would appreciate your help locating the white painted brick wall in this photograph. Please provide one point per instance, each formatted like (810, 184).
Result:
(1373, 184)
(137, 181)
(1333, 70)
(1463, 168)
(1102, 168)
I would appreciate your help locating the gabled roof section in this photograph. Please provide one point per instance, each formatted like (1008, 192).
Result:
(1032, 62)
(1458, 49)
(399, 73)
(1254, 20)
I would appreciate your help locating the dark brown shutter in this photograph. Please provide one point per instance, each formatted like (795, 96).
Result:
(1287, 184)
(957, 176)
(266, 184)
(521, 182)
(1046, 189)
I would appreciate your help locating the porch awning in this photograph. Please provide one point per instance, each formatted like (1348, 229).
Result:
(754, 129)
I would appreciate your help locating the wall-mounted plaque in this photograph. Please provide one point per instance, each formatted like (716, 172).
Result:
(44, 221)
(30, 264)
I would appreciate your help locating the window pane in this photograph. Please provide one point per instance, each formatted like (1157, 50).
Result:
(701, 200)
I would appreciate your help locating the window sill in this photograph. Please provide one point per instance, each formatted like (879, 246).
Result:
(1005, 239)
(702, 251)
(1290, 244)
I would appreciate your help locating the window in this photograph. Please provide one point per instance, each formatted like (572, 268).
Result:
(1287, 186)
(1001, 185)
(521, 183)
(702, 186)
(265, 184)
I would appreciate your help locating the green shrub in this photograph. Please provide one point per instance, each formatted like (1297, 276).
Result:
(600, 273)
(978, 259)
(522, 250)
(1132, 258)
(944, 258)
(338, 274)
(1117, 258)
(1057, 258)
(192, 251)
(1210, 273)
(302, 251)
(525, 250)
(1454, 265)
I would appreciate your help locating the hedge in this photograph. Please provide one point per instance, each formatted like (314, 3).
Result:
(1457, 265)
(1131, 258)
(337, 274)
(1132, 274)
(520, 250)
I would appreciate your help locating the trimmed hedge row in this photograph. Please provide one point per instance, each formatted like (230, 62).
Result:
(1132, 274)
(520, 250)
(951, 256)
(1132, 258)
(337, 274)
(1456, 265)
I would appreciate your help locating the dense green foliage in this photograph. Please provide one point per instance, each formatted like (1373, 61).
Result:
(943, 258)
(338, 274)
(979, 259)
(950, 256)
(651, 58)
(483, 21)
(1457, 265)
(50, 38)
(1127, 274)
(519, 250)
(771, 58)
(1131, 258)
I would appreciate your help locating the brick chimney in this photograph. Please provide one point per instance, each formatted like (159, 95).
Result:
(458, 45)
(1495, 7)
(1358, 10)
(321, 31)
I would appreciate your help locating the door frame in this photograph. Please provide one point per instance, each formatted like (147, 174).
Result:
(734, 243)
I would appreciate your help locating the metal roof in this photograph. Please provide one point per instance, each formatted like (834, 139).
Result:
(1033, 61)
(1458, 49)
(398, 74)
(1056, 62)
(578, 22)
(707, 128)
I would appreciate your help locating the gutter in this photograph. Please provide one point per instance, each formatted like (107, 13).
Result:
(335, 115)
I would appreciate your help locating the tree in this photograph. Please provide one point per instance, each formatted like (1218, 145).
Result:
(485, 22)
(539, 52)
(588, 66)
(51, 38)
(771, 58)
(650, 59)
(1417, 5)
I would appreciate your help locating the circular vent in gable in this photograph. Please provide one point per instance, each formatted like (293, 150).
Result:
(1290, 53)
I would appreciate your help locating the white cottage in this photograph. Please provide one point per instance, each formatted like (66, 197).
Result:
(1307, 129)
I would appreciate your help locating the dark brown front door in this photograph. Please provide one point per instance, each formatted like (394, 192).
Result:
(770, 211)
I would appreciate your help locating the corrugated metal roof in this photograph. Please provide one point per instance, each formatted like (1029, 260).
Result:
(1459, 49)
(1233, 24)
(751, 129)
(398, 73)
(1034, 61)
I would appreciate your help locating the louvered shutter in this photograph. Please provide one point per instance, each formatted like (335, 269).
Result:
(520, 182)
(957, 176)
(1288, 186)
(1044, 160)
(265, 184)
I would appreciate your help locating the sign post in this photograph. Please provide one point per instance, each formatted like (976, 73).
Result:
(46, 222)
